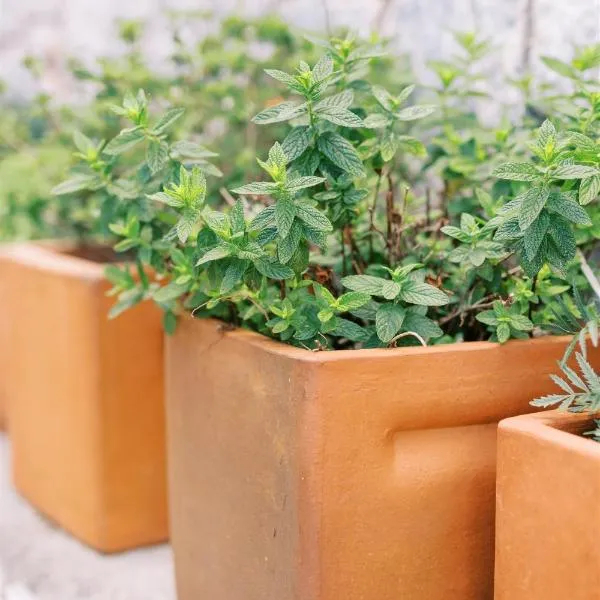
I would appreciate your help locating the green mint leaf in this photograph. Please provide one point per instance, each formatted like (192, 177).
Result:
(364, 283)
(314, 218)
(589, 189)
(517, 172)
(257, 188)
(300, 183)
(340, 116)
(488, 317)
(532, 204)
(385, 99)
(157, 155)
(388, 321)
(376, 121)
(423, 294)
(296, 142)
(534, 235)
(233, 275)
(214, 254)
(285, 212)
(167, 199)
(285, 111)
(352, 300)
(341, 153)
(76, 183)
(273, 269)
(127, 139)
(390, 290)
(323, 69)
(569, 209)
(412, 113)
(289, 243)
(342, 100)
(568, 171)
(167, 120)
(503, 332)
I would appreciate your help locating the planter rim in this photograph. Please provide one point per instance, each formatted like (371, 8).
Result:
(53, 255)
(557, 428)
(275, 347)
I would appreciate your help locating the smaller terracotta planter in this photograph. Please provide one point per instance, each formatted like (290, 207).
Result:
(85, 400)
(548, 509)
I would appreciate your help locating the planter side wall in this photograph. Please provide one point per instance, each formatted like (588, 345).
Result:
(394, 470)
(548, 519)
(85, 403)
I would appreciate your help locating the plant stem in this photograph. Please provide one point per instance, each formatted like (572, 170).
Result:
(589, 274)
(373, 211)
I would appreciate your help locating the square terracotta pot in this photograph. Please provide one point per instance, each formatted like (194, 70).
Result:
(548, 509)
(362, 475)
(85, 400)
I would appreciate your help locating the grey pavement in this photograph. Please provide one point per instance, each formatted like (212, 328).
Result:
(38, 561)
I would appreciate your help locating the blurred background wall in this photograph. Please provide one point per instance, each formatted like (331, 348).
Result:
(520, 29)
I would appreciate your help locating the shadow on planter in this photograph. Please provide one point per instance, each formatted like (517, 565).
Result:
(362, 475)
(85, 399)
(548, 509)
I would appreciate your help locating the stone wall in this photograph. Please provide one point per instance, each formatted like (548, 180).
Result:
(520, 29)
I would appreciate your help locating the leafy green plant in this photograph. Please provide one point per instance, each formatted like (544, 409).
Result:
(310, 254)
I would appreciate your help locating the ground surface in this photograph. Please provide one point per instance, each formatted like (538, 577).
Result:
(40, 562)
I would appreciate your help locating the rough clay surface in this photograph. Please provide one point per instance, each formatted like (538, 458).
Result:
(40, 562)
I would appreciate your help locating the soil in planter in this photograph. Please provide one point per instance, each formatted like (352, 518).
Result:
(98, 253)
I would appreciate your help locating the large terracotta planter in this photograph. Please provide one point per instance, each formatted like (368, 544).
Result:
(362, 475)
(85, 400)
(548, 519)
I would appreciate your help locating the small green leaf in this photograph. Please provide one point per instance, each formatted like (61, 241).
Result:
(169, 322)
(169, 292)
(589, 189)
(352, 301)
(314, 218)
(388, 321)
(285, 212)
(77, 183)
(280, 113)
(258, 188)
(534, 235)
(214, 254)
(390, 290)
(296, 142)
(157, 155)
(503, 332)
(532, 204)
(423, 294)
(127, 139)
(364, 283)
(412, 113)
(273, 269)
(517, 172)
(569, 171)
(340, 116)
(168, 120)
(341, 153)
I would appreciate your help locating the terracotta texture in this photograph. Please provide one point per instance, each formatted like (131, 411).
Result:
(548, 509)
(85, 399)
(362, 475)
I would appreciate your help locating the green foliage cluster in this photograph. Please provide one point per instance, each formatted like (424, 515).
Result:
(379, 220)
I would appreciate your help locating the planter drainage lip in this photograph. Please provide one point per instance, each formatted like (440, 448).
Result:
(54, 257)
(555, 427)
(275, 347)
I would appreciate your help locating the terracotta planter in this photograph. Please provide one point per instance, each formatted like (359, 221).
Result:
(362, 475)
(548, 519)
(85, 399)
